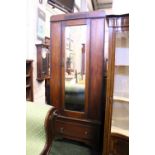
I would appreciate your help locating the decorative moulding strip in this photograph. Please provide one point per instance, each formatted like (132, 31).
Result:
(82, 15)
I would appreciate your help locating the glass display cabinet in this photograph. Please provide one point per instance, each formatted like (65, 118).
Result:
(117, 100)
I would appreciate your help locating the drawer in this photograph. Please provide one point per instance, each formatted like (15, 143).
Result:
(76, 130)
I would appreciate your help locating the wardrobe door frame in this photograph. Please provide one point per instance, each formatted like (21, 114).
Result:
(94, 65)
(65, 112)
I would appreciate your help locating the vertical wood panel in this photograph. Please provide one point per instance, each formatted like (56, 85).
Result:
(96, 68)
(62, 110)
(108, 111)
(63, 69)
(55, 80)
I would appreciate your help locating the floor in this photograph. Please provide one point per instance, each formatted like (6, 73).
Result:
(66, 147)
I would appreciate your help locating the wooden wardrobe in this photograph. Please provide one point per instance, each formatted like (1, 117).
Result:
(77, 80)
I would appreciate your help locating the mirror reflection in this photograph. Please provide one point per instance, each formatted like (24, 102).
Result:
(75, 67)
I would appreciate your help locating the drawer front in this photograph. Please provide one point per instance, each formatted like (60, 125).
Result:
(77, 130)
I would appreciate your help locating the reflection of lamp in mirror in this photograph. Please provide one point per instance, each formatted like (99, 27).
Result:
(42, 61)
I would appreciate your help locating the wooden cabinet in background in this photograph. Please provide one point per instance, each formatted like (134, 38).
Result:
(47, 91)
(119, 144)
(43, 68)
(117, 91)
(29, 80)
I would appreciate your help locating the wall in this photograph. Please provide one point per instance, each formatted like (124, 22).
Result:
(32, 6)
(120, 6)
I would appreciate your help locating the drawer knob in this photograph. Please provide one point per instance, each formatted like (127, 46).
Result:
(86, 133)
(61, 130)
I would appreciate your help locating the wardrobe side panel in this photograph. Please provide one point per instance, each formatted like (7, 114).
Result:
(96, 68)
(55, 80)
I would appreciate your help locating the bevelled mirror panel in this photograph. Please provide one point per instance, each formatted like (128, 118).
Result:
(75, 67)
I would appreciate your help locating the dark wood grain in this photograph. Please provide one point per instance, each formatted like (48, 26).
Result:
(96, 68)
(79, 15)
(47, 91)
(83, 130)
(49, 131)
(119, 144)
(77, 22)
(55, 81)
(109, 90)
(63, 111)
(81, 126)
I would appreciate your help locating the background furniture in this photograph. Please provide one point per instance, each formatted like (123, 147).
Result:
(29, 80)
(119, 144)
(117, 91)
(47, 91)
(84, 126)
(43, 65)
(39, 132)
(37, 118)
(62, 5)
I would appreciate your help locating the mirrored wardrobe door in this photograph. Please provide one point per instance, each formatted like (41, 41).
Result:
(75, 68)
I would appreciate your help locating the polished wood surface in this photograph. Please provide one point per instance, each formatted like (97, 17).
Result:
(119, 144)
(96, 69)
(83, 130)
(115, 23)
(56, 63)
(79, 15)
(49, 130)
(82, 126)
(47, 91)
(64, 111)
